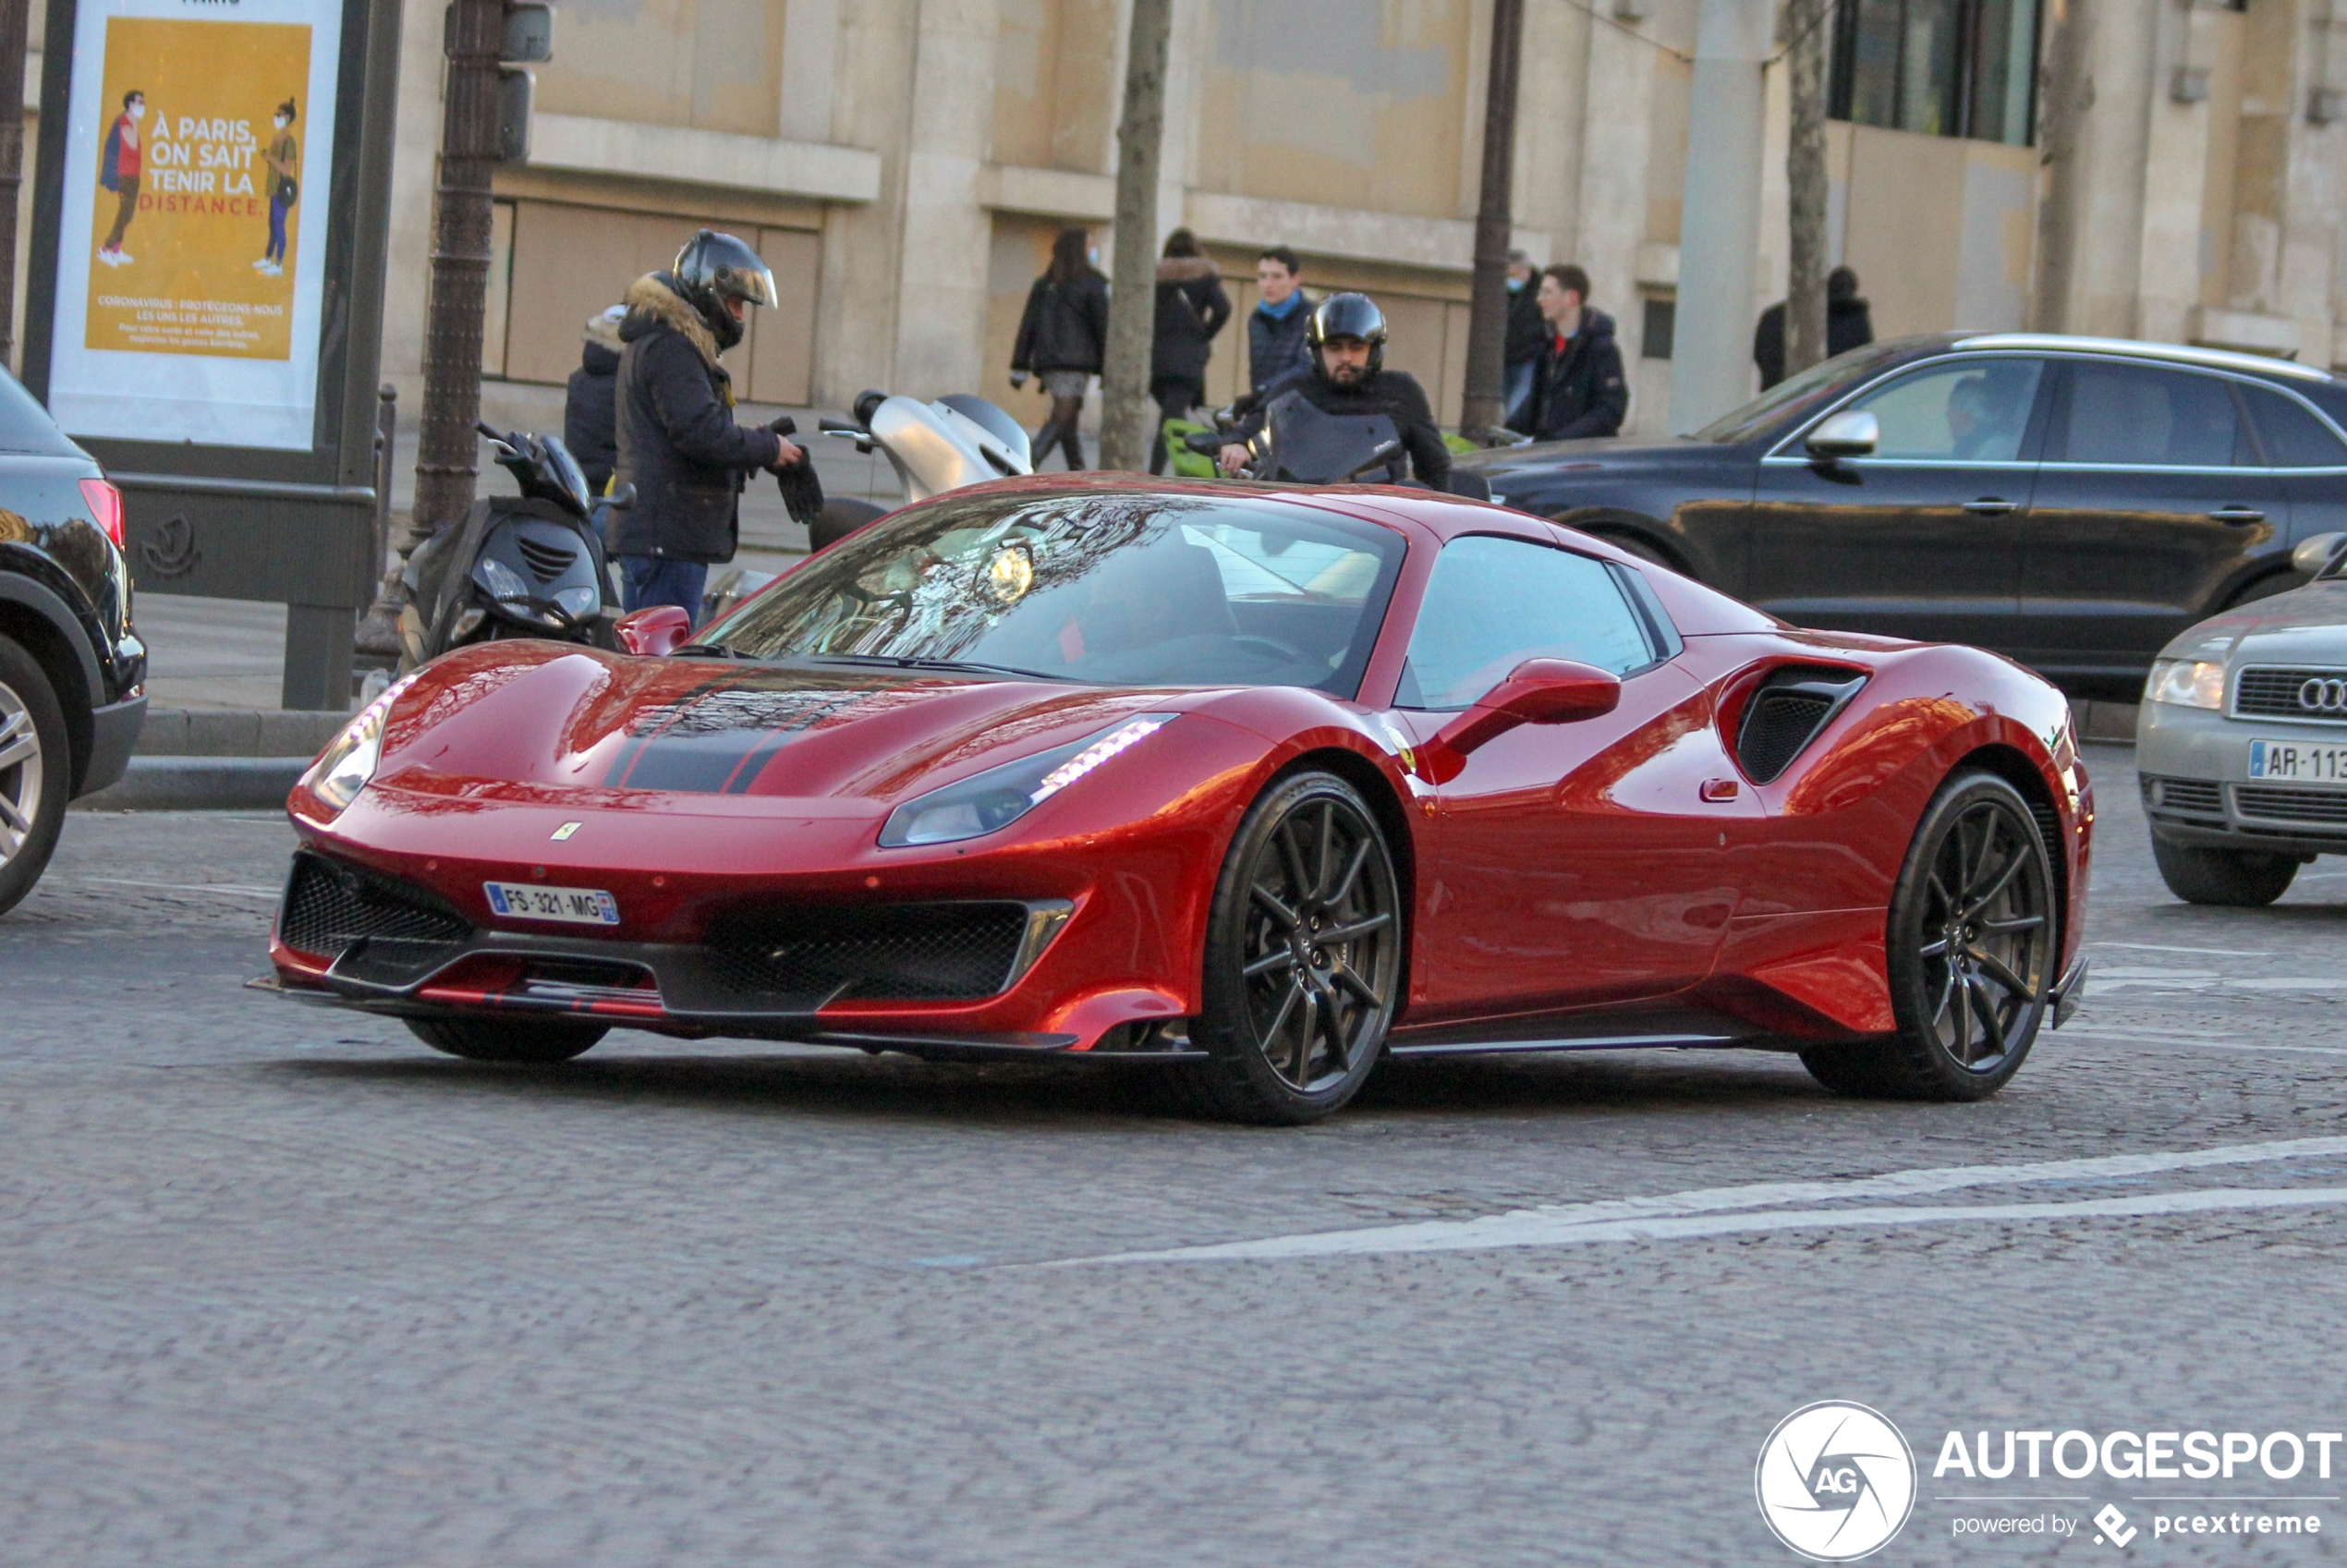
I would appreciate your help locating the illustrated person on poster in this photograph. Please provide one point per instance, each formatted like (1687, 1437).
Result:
(284, 188)
(118, 172)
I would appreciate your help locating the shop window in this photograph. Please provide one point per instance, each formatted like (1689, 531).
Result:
(1939, 68)
(1661, 322)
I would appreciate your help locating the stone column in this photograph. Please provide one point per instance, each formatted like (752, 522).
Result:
(1719, 232)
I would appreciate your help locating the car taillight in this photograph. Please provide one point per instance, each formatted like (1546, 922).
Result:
(105, 507)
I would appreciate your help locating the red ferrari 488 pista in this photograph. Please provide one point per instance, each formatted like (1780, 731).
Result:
(1255, 783)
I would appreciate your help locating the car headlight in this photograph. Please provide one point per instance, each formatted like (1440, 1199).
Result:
(999, 797)
(578, 601)
(504, 583)
(2186, 683)
(349, 761)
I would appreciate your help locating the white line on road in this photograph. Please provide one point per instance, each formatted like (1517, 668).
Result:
(2161, 947)
(1639, 1218)
(239, 890)
(2133, 1037)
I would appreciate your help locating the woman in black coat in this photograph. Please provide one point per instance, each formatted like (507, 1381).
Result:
(1063, 338)
(1191, 309)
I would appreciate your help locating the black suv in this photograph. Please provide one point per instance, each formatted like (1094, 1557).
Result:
(2070, 501)
(72, 673)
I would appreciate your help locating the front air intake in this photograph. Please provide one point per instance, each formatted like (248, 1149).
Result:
(1789, 710)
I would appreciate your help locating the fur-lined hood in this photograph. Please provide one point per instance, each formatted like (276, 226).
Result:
(1185, 269)
(652, 302)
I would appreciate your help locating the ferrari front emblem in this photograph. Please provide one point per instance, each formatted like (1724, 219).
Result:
(567, 829)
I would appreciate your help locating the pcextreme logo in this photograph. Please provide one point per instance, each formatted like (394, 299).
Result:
(1835, 1482)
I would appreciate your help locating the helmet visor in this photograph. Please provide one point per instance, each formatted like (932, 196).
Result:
(750, 284)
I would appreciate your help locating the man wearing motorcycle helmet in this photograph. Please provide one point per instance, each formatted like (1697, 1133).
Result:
(678, 443)
(1348, 376)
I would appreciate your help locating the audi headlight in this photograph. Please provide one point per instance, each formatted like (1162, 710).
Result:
(504, 583)
(349, 761)
(2186, 683)
(999, 797)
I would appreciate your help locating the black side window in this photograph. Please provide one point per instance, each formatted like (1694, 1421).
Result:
(2292, 437)
(2149, 418)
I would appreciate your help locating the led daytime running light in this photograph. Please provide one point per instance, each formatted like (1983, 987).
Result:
(1092, 755)
(348, 761)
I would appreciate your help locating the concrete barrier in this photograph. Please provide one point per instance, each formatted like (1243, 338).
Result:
(199, 784)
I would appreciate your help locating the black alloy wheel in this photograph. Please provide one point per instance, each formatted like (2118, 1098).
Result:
(1303, 957)
(528, 1041)
(1971, 944)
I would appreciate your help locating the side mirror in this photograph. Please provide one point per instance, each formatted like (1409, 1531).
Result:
(1539, 692)
(1850, 433)
(655, 631)
(2312, 554)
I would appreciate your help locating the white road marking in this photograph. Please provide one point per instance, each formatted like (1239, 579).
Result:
(2129, 1037)
(1672, 1214)
(2161, 947)
(269, 892)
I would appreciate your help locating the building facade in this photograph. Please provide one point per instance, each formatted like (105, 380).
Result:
(2173, 169)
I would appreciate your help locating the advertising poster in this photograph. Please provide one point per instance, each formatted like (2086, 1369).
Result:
(189, 272)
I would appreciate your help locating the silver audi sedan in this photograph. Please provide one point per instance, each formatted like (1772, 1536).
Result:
(2242, 739)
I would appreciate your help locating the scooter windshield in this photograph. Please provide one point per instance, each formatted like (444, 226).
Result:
(1322, 448)
(1137, 590)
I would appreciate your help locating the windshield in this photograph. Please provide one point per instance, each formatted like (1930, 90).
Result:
(1117, 588)
(1797, 395)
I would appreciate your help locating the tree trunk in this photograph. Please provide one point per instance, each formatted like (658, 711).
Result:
(1485, 403)
(446, 463)
(1808, 26)
(2065, 96)
(14, 22)
(1126, 410)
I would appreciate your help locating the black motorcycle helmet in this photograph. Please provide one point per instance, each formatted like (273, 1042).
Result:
(1347, 315)
(713, 268)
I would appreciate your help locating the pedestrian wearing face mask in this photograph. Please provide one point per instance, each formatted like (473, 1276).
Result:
(119, 171)
(282, 158)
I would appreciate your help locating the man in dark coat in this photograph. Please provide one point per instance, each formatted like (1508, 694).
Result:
(591, 409)
(678, 443)
(1345, 374)
(1578, 389)
(1191, 309)
(1849, 324)
(1520, 351)
(1276, 327)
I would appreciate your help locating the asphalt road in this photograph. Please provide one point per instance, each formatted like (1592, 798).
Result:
(280, 1286)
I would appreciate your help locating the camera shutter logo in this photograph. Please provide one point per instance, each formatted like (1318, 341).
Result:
(1836, 1481)
(2319, 695)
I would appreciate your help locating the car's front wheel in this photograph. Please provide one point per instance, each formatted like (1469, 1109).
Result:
(527, 1040)
(2240, 879)
(1970, 948)
(35, 773)
(1303, 957)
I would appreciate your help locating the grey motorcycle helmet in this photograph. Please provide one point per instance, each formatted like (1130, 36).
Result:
(713, 268)
(1347, 315)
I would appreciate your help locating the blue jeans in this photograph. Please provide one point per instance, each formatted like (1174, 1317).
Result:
(656, 579)
(276, 230)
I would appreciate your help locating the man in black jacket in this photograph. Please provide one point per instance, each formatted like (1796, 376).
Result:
(1520, 352)
(1348, 376)
(1276, 327)
(591, 409)
(1579, 389)
(678, 443)
(1849, 324)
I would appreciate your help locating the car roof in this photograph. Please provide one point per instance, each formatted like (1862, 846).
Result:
(2174, 353)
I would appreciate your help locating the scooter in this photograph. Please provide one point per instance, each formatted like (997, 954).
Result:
(526, 565)
(1301, 443)
(934, 447)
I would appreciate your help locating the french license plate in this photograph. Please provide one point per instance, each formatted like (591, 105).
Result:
(2296, 760)
(573, 906)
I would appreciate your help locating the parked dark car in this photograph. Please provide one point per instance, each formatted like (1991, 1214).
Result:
(72, 671)
(2071, 502)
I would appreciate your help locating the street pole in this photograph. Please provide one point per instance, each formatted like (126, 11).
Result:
(1808, 26)
(445, 465)
(15, 20)
(1488, 316)
(1719, 234)
(1126, 410)
(2065, 96)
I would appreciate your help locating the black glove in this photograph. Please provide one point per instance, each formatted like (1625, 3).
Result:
(802, 491)
(783, 426)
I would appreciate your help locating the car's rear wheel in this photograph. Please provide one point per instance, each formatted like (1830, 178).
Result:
(2240, 879)
(35, 773)
(537, 1041)
(1971, 949)
(1303, 957)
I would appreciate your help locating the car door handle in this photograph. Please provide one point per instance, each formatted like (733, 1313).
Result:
(2238, 514)
(1717, 789)
(1991, 506)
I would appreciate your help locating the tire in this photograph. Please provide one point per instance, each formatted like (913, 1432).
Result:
(2236, 879)
(1643, 550)
(1303, 958)
(36, 773)
(1971, 944)
(527, 1040)
(2264, 587)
